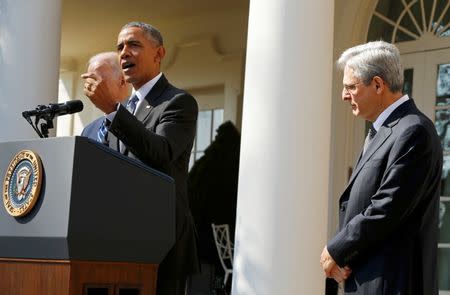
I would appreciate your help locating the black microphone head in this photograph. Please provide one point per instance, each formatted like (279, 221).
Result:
(74, 106)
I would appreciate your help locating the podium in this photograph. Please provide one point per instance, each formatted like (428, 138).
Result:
(102, 223)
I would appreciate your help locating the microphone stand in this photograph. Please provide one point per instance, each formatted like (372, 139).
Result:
(45, 126)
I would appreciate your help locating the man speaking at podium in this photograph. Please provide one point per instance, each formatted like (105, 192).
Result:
(157, 126)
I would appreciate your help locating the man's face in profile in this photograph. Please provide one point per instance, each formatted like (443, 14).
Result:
(362, 98)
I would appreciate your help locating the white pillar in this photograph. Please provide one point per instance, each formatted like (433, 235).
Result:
(285, 151)
(29, 61)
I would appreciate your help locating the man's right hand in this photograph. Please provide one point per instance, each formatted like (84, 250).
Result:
(97, 90)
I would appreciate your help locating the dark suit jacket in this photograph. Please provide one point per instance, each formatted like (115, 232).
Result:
(389, 211)
(161, 135)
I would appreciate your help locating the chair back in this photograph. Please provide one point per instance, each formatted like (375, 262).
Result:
(224, 247)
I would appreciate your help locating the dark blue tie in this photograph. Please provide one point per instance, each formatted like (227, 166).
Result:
(102, 134)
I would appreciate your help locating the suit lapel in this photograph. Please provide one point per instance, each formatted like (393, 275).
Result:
(150, 100)
(380, 138)
(144, 108)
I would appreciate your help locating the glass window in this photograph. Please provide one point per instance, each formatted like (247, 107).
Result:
(444, 222)
(443, 83)
(217, 120)
(204, 122)
(444, 268)
(408, 81)
(207, 124)
(398, 21)
(445, 183)
(442, 120)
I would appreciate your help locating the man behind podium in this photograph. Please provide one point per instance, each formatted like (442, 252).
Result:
(388, 233)
(158, 131)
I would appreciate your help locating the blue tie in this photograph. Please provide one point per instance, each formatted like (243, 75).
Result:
(131, 104)
(131, 107)
(102, 134)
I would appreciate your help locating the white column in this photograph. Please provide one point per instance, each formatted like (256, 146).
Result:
(285, 151)
(29, 61)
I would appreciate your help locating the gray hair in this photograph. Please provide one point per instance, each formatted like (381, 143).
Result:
(152, 33)
(372, 59)
(112, 59)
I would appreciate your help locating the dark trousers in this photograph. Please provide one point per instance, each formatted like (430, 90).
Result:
(331, 287)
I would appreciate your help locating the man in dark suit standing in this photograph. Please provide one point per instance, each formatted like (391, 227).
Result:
(105, 67)
(388, 231)
(157, 127)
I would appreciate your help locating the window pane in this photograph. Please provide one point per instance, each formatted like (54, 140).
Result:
(444, 222)
(191, 161)
(443, 84)
(390, 9)
(198, 155)
(218, 120)
(444, 268)
(445, 184)
(194, 145)
(203, 130)
(379, 29)
(408, 82)
(442, 124)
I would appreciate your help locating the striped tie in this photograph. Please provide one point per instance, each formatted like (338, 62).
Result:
(102, 134)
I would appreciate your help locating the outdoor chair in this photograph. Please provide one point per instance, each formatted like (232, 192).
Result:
(224, 248)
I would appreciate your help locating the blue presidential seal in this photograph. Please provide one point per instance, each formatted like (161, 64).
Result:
(22, 183)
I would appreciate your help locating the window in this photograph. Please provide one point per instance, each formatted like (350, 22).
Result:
(399, 21)
(207, 123)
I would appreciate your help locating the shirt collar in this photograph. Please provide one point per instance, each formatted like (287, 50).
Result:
(385, 114)
(145, 89)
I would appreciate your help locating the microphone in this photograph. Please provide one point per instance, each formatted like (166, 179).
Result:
(56, 109)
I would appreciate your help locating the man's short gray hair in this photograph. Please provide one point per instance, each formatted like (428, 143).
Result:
(372, 59)
(112, 59)
(150, 31)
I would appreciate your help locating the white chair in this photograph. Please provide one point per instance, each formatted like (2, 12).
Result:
(224, 248)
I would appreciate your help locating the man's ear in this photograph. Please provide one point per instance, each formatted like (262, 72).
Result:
(160, 53)
(379, 84)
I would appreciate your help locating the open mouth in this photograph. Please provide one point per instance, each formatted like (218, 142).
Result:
(127, 65)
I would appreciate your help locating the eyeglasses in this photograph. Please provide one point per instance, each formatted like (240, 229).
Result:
(351, 87)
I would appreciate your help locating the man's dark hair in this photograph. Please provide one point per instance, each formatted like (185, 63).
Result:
(152, 33)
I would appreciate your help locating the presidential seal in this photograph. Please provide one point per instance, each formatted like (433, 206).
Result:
(22, 183)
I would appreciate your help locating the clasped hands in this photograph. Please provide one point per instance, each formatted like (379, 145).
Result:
(331, 269)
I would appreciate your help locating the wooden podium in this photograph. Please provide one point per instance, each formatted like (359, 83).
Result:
(101, 225)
